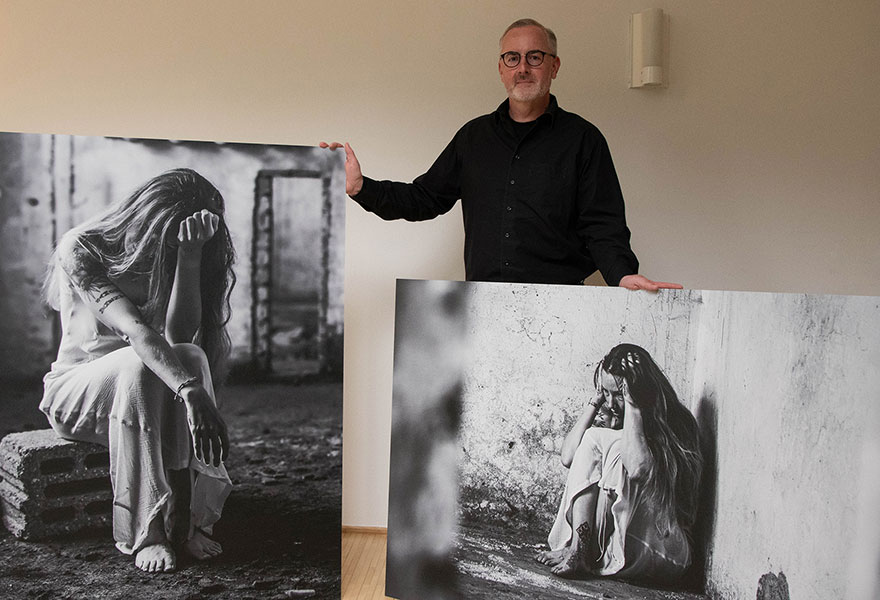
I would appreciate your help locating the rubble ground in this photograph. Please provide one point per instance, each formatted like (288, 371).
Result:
(280, 528)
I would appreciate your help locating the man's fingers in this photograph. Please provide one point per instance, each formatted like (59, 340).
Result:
(667, 285)
(331, 145)
(350, 155)
(354, 178)
(640, 282)
(653, 286)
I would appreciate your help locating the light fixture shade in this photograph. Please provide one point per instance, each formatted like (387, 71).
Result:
(649, 30)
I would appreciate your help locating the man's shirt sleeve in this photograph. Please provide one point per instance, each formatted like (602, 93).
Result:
(432, 194)
(601, 215)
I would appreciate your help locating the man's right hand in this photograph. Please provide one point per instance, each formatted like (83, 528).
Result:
(354, 179)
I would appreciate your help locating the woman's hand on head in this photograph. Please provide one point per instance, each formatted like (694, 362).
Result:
(624, 390)
(596, 401)
(197, 229)
(210, 439)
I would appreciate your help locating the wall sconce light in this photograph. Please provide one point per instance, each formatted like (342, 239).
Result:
(649, 33)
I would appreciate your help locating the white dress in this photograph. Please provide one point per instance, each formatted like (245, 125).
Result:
(631, 543)
(98, 390)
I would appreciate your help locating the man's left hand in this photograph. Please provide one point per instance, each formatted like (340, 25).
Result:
(640, 282)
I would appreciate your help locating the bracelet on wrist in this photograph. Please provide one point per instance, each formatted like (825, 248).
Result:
(188, 382)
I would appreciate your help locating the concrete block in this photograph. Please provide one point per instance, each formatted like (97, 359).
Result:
(50, 486)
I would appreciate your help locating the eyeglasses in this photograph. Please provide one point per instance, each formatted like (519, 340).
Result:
(534, 58)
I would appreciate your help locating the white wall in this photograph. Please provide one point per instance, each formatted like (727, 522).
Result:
(755, 170)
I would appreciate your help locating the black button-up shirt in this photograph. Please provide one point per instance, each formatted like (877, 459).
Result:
(541, 204)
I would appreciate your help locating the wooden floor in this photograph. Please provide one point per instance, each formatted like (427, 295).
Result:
(363, 564)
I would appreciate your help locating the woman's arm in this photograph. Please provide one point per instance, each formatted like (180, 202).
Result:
(113, 308)
(634, 451)
(184, 313)
(573, 439)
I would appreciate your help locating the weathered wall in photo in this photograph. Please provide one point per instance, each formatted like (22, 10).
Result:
(792, 380)
(26, 236)
(50, 183)
(864, 571)
(535, 351)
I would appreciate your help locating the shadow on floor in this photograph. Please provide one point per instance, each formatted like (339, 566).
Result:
(280, 528)
(493, 566)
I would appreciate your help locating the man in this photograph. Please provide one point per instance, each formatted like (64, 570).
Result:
(539, 193)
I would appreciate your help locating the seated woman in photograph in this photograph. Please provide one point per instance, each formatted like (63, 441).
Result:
(631, 493)
(143, 292)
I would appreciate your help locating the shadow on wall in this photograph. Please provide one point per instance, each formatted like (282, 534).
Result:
(707, 421)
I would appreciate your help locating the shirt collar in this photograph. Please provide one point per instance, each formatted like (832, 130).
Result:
(503, 110)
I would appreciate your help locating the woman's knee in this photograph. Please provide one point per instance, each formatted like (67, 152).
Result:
(132, 369)
(191, 356)
(601, 438)
(194, 360)
(598, 445)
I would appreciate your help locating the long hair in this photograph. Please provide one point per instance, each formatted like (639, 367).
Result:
(136, 237)
(673, 480)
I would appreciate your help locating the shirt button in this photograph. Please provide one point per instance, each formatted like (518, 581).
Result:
(507, 235)
(516, 157)
(509, 208)
(512, 181)
(506, 263)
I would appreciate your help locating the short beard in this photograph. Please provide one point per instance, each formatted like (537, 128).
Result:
(523, 95)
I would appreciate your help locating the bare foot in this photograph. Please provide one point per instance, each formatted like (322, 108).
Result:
(201, 547)
(156, 558)
(551, 557)
(570, 564)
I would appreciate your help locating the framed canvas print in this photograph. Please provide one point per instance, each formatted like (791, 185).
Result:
(584, 442)
(171, 352)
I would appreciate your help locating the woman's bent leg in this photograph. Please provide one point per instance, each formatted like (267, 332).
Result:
(115, 400)
(573, 539)
(581, 552)
(147, 429)
(209, 485)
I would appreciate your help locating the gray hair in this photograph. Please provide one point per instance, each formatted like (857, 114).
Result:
(551, 37)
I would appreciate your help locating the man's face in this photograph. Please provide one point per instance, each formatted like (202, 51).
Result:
(525, 83)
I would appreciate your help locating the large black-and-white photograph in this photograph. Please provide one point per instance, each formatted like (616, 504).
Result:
(171, 357)
(587, 442)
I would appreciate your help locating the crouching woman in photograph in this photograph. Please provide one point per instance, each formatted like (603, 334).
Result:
(630, 496)
(143, 293)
